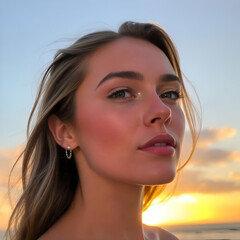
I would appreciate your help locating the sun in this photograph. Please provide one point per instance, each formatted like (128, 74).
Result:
(173, 211)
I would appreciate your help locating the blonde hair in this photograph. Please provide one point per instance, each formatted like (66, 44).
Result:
(49, 180)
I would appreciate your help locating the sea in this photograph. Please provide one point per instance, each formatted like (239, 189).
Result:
(219, 231)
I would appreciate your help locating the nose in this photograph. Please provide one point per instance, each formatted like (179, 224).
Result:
(157, 113)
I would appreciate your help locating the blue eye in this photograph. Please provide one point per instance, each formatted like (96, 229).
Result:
(120, 94)
(172, 95)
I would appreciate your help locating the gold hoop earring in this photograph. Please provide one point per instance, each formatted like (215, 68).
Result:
(68, 152)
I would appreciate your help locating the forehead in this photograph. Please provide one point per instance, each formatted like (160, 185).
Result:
(129, 53)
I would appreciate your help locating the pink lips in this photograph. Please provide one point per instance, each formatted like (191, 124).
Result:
(163, 144)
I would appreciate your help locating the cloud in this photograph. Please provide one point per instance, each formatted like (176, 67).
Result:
(205, 172)
(205, 154)
(194, 181)
(8, 156)
(5, 210)
(212, 135)
(234, 175)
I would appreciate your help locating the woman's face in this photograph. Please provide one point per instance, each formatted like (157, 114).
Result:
(129, 125)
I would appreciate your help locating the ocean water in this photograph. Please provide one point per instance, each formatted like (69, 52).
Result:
(221, 231)
(1, 234)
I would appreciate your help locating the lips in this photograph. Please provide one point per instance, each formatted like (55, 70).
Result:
(163, 144)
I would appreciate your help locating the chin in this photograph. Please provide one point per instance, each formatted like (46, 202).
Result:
(160, 181)
(160, 178)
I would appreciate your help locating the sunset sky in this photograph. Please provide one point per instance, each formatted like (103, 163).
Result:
(207, 35)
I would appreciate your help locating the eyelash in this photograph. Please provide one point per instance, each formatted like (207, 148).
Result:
(121, 94)
(177, 95)
(114, 94)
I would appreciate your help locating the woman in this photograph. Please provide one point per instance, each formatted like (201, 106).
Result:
(106, 139)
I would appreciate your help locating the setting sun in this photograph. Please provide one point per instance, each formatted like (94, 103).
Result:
(194, 208)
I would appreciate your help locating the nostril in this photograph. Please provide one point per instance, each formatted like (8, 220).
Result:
(154, 119)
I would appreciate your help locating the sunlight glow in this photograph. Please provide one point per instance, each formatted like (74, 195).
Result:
(185, 199)
(194, 208)
(169, 212)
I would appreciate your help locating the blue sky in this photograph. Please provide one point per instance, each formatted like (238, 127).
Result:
(206, 33)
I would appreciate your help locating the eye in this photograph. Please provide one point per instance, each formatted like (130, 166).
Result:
(121, 94)
(172, 95)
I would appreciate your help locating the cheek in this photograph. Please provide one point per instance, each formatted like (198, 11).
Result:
(94, 126)
(103, 133)
(105, 137)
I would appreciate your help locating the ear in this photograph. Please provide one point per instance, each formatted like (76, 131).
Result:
(62, 132)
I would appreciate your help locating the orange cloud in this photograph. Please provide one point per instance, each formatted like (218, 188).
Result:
(234, 175)
(205, 156)
(5, 210)
(8, 156)
(211, 170)
(212, 135)
(194, 181)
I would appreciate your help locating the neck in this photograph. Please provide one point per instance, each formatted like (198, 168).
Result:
(105, 209)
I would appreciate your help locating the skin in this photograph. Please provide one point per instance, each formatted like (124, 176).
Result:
(114, 117)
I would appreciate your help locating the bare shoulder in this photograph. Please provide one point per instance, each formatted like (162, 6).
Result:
(165, 235)
(44, 237)
(52, 234)
(157, 233)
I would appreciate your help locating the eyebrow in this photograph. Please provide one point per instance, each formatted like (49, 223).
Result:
(136, 76)
(122, 74)
(169, 77)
